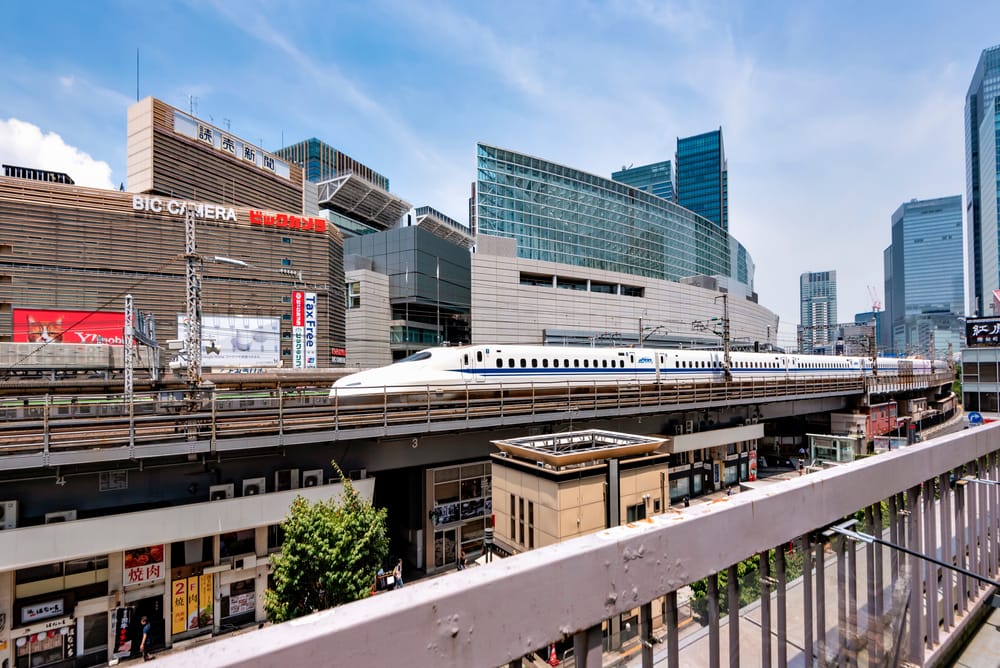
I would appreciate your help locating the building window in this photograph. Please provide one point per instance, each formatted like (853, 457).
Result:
(531, 524)
(635, 512)
(513, 519)
(285, 262)
(354, 295)
(520, 523)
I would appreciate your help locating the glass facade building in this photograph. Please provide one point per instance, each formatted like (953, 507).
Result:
(560, 214)
(656, 178)
(925, 289)
(982, 159)
(322, 162)
(702, 176)
(817, 311)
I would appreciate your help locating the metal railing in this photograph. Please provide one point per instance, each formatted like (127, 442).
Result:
(822, 602)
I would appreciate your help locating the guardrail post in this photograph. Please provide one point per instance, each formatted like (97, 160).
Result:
(947, 577)
(782, 600)
(765, 609)
(734, 615)
(646, 625)
(916, 633)
(930, 570)
(587, 647)
(807, 599)
(839, 547)
(821, 602)
(713, 620)
(673, 646)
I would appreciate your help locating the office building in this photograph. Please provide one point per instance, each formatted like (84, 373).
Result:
(702, 176)
(817, 312)
(321, 162)
(656, 178)
(563, 256)
(982, 176)
(925, 277)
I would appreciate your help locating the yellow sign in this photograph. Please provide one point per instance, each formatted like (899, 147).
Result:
(192, 603)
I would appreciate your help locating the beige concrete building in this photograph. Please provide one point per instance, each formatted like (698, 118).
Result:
(547, 489)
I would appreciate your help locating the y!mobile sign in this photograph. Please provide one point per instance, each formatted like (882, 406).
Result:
(304, 330)
(60, 326)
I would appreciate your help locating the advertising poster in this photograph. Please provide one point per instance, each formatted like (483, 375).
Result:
(298, 330)
(753, 465)
(120, 620)
(51, 326)
(309, 326)
(144, 564)
(191, 603)
(237, 340)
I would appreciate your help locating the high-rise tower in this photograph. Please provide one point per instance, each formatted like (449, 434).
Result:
(924, 283)
(817, 311)
(702, 176)
(982, 177)
(656, 178)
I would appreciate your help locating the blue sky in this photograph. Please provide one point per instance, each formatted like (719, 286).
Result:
(833, 113)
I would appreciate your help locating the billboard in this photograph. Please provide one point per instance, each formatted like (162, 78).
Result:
(982, 332)
(60, 326)
(304, 334)
(237, 340)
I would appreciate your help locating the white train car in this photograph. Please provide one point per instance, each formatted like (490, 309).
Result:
(516, 367)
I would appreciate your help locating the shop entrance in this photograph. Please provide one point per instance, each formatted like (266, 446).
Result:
(152, 608)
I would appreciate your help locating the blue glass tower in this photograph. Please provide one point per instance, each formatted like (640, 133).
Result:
(656, 178)
(982, 180)
(925, 291)
(702, 177)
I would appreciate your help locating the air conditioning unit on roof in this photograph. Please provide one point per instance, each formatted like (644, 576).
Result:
(286, 479)
(219, 492)
(8, 515)
(254, 486)
(61, 516)
(312, 478)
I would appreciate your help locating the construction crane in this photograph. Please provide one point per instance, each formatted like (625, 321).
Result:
(876, 301)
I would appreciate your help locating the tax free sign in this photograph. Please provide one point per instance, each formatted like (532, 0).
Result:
(304, 325)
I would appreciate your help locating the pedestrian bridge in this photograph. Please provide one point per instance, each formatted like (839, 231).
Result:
(825, 600)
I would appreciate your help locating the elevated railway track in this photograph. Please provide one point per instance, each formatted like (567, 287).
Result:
(41, 431)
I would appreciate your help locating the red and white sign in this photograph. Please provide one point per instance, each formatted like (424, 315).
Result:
(144, 564)
(33, 613)
(287, 221)
(54, 326)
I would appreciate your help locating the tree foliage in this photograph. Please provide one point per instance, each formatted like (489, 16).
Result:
(330, 554)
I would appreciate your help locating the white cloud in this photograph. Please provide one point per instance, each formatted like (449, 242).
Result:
(25, 145)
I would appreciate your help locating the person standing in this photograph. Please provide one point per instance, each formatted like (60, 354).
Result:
(145, 644)
(397, 574)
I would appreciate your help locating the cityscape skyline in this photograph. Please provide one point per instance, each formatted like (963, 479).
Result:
(829, 127)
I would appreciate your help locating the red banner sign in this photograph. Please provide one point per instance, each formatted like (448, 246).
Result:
(52, 326)
(288, 221)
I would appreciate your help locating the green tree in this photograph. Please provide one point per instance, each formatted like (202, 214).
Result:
(330, 554)
(748, 572)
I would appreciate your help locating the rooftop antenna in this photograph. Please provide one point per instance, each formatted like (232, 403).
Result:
(226, 121)
(192, 105)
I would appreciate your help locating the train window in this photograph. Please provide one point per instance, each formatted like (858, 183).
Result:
(534, 363)
(479, 355)
(604, 363)
(586, 363)
(576, 363)
(555, 362)
(499, 363)
(621, 363)
(566, 363)
(510, 362)
(524, 363)
(545, 363)
(465, 360)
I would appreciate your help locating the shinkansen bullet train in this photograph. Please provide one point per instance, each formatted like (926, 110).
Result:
(512, 367)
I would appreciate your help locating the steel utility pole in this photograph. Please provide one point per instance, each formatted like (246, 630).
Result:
(193, 338)
(727, 360)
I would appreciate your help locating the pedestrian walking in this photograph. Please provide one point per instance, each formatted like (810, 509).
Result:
(146, 643)
(397, 574)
